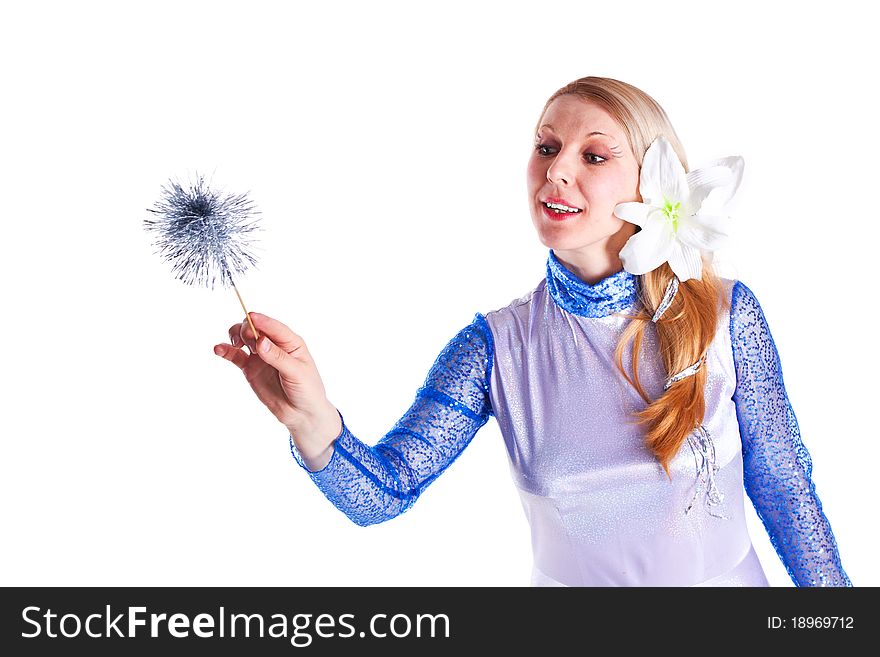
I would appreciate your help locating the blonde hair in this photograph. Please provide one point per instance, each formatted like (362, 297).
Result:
(688, 326)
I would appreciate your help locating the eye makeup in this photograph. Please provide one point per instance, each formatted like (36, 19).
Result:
(614, 148)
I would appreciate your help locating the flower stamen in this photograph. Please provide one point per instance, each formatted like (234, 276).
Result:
(670, 211)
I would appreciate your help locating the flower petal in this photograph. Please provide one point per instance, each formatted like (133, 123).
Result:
(649, 248)
(662, 176)
(720, 178)
(685, 262)
(634, 212)
(703, 231)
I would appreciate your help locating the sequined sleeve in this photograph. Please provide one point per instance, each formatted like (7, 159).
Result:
(374, 484)
(776, 465)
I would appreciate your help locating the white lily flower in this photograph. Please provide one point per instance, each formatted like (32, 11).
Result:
(677, 216)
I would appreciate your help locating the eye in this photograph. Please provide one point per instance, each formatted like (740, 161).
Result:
(544, 150)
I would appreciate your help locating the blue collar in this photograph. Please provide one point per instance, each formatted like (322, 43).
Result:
(612, 294)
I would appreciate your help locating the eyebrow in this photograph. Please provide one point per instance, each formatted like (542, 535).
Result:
(595, 132)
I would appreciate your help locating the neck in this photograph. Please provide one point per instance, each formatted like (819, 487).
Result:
(612, 294)
(599, 260)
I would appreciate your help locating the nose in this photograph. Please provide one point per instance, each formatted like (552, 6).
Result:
(558, 172)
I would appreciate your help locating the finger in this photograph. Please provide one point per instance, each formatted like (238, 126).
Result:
(279, 334)
(235, 335)
(277, 357)
(232, 354)
(246, 336)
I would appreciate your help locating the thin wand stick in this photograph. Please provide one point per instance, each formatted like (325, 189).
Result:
(246, 313)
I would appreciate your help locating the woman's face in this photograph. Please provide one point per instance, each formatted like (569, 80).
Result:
(589, 172)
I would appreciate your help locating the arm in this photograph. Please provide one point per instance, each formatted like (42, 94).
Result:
(776, 465)
(374, 484)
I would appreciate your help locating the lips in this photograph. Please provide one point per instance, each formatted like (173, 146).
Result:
(558, 214)
(560, 201)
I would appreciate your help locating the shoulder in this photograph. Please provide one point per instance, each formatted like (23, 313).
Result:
(726, 288)
(478, 335)
(475, 337)
(743, 302)
(736, 298)
(748, 323)
(516, 307)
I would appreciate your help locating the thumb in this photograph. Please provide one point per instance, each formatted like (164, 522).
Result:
(274, 355)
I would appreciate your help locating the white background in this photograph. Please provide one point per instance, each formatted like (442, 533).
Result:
(386, 145)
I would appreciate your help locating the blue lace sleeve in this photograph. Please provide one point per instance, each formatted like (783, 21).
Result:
(776, 466)
(374, 484)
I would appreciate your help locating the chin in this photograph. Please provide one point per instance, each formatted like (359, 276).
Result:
(570, 240)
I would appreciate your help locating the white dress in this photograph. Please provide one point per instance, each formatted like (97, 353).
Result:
(602, 511)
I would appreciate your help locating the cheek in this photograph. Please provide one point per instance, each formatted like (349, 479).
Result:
(613, 190)
(536, 172)
(629, 185)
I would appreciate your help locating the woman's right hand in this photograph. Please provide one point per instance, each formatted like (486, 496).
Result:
(284, 377)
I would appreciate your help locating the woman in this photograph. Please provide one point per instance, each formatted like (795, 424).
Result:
(628, 477)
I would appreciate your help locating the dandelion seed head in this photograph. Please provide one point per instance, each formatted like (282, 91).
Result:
(204, 234)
